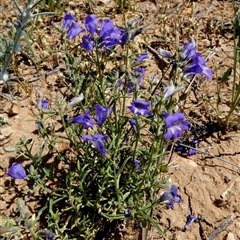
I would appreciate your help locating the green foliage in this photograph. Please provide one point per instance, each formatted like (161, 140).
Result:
(90, 191)
(53, 5)
(84, 191)
(2, 121)
(124, 4)
(223, 82)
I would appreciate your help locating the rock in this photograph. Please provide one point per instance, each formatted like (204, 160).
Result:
(230, 236)
(6, 132)
(15, 109)
(237, 225)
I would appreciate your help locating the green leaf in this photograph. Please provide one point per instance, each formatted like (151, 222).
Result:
(183, 97)
(226, 75)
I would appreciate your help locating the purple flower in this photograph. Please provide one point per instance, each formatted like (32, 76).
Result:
(171, 197)
(17, 171)
(195, 142)
(97, 141)
(189, 50)
(84, 119)
(102, 113)
(142, 57)
(88, 43)
(192, 62)
(139, 73)
(190, 219)
(175, 125)
(126, 36)
(165, 53)
(179, 148)
(174, 192)
(42, 104)
(197, 65)
(48, 235)
(137, 164)
(74, 30)
(168, 198)
(140, 107)
(127, 212)
(68, 20)
(109, 35)
(133, 123)
(91, 23)
(169, 90)
(39, 125)
(191, 152)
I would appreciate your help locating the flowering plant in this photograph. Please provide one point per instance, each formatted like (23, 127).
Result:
(117, 126)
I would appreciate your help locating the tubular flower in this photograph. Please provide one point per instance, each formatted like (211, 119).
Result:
(98, 142)
(102, 113)
(42, 104)
(137, 164)
(68, 20)
(189, 50)
(175, 125)
(84, 119)
(91, 23)
(169, 90)
(140, 107)
(107, 37)
(171, 197)
(197, 65)
(192, 62)
(17, 171)
(191, 218)
(142, 57)
(133, 123)
(74, 30)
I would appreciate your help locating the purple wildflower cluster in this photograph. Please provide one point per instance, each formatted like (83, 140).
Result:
(73, 28)
(101, 33)
(191, 62)
(171, 197)
(86, 120)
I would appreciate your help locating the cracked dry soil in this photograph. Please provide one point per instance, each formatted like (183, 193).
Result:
(209, 187)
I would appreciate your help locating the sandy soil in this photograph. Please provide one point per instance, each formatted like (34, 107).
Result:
(209, 187)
